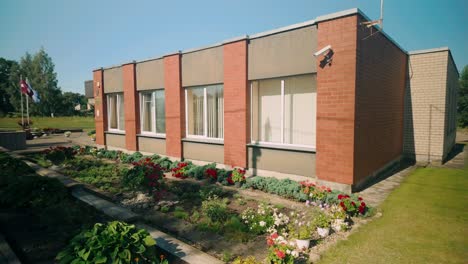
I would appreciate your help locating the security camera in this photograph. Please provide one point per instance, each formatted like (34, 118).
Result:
(322, 51)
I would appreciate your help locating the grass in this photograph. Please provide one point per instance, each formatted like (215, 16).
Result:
(70, 122)
(424, 221)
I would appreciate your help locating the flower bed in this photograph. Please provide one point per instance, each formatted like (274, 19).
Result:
(198, 200)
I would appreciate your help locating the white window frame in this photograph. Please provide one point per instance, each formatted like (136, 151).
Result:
(153, 114)
(118, 99)
(266, 143)
(205, 116)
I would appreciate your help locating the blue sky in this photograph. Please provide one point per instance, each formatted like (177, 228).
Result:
(83, 35)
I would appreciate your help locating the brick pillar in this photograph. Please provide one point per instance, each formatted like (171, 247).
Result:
(175, 105)
(236, 104)
(130, 106)
(100, 109)
(336, 88)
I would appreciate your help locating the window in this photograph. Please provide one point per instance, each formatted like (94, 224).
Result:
(204, 111)
(115, 111)
(152, 112)
(284, 110)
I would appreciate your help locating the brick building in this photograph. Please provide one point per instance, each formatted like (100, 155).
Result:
(266, 103)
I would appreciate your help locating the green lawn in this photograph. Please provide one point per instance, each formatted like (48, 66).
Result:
(43, 122)
(425, 220)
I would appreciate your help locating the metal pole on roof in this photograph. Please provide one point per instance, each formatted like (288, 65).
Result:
(381, 14)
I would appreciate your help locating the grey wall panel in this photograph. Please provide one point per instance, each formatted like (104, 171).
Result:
(285, 161)
(204, 152)
(152, 145)
(113, 80)
(283, 54)
(203, 67)
(150, 75)
(114, 140)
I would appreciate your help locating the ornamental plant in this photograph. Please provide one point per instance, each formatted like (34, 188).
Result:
(351, 205)
(180, 171)
(114, 242)
(215, 209)
(300, 226)
(280, 251)
(59, 154)
(238, 175)
(260, 220)
(317, 194)
(212, 174)
(322, 220)
(145, 173)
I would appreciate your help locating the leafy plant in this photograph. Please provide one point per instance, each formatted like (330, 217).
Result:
(135, 157)
(322, 220)
(280, 251)
(146, 174)
(33, 192)
(114, 242)
(247, 260)
(351, 205)
(215, 209)
(180, 213)
(238, 175)
(180, 169)
(300, 225)
(285, 187)
(59, 154)
(210, 191)
(259, 220)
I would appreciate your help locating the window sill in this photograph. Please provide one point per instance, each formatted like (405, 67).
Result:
(115, 132)
(204, 140)
(152, 136)
(283, 147)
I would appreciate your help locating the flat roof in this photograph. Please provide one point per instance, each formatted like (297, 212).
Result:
(267, 33)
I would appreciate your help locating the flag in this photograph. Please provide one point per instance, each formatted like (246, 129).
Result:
(24, 87)
(34, 94)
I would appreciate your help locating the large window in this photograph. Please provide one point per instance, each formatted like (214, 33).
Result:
(204, 111)
(152, 112)
(115, 112)
(284, 110)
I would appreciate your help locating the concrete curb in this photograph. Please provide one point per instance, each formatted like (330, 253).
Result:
(7, 255)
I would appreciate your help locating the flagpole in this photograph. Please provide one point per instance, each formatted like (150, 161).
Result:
(27, 108)
(21, 94)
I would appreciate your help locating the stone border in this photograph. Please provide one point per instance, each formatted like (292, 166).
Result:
(6, 253)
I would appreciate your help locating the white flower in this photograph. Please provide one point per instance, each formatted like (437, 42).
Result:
(262, 223)
(294, 253)
(288, 251)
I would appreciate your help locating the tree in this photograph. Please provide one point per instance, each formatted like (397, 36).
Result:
(39, 69)
(69, 101)
(463, 99)
(6, 102)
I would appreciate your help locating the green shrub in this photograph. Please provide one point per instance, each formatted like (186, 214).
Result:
(59, 154)
(115, 242)
(145, 174)
(215, 209)
(210, 191)
(180, 213)
(285, 187)
(33, 192)
(223, 176)
(165, 163)
(135, 157)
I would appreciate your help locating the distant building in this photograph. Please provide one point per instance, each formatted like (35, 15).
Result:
(89, 93)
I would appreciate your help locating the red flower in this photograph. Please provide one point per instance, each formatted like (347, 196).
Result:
(363, 204)
(229, 180)
(340, 196)
(361, 209)
(270, 242)
(353, 203)
(342, 204)
(360, 198)
(274, 235)
(280, 254)
(211, 173)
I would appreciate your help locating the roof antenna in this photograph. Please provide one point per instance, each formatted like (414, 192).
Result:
(371, 24)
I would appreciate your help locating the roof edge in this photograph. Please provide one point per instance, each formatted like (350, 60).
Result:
(423, 51)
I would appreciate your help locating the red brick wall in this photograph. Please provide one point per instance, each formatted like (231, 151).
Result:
(380, 86)
(100, 109)
(236, 104)
(131, 106)
(175, 106)
(336, 101)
